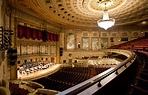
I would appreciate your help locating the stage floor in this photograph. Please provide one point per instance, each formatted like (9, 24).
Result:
(39, 73)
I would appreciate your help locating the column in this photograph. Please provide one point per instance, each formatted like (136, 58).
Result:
(13, 27)
(1, 18)
(13, 72)
(58, 51)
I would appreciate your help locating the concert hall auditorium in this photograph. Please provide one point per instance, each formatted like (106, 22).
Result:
(73, 47)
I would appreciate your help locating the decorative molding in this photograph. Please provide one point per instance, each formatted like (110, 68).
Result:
(95, 34)
(135, 34)
(104, 34)
(32, 20)
(124, 34)
(114, 34)
(85, 34)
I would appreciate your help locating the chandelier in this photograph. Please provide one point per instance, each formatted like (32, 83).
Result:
(106, 22)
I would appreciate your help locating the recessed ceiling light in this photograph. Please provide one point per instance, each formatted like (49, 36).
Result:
(59, 5)
(62, 8)
(143, 22)
(50, 6)
(54, 11)
(47, 1)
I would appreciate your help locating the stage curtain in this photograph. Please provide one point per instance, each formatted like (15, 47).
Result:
(33, 34)
(48, 36)
(28, 32)
(21, 31)
(39, 34)
(51, 37)
(54, 37)
(57, 37)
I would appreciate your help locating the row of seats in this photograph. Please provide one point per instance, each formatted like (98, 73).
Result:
(90, 57)
(140, 47)
(137, 44)
(76, 69)
(100, 70)
(140, 86)
(66, 77)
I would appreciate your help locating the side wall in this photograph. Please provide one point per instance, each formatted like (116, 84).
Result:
(75, 41)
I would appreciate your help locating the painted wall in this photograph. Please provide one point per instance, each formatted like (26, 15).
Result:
(86, 40)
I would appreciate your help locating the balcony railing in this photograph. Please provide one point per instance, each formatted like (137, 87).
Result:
(94, 84)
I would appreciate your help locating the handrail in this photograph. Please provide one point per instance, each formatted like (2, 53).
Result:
(86, 84)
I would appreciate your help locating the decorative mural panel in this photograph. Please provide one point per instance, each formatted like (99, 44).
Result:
(35, 51)
(29, 49)
(85, 41)
(70, 41)
(104, 43)
(49, 49)
(23, 49)
(53, 50)
(40, 49)
(94, 43)
(43, 49)
(46, 49)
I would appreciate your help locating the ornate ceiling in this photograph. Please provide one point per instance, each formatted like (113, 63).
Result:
(71, 13)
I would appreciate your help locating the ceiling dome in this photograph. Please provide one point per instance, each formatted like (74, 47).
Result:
(99, 5)
(84, 13)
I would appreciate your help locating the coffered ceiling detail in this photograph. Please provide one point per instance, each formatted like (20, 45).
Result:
(84, 13)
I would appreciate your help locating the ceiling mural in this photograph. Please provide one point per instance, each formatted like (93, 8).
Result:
(84, 13)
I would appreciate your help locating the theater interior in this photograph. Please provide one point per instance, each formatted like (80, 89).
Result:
(73, 47)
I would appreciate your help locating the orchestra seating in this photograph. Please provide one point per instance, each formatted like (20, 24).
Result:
(140, 86)
(67, 77)
(134, 80)
(137, 44)
(140, 47)
(100, 70)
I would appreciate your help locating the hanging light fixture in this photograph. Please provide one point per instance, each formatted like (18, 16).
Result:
(106, 22)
